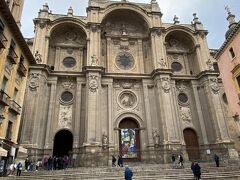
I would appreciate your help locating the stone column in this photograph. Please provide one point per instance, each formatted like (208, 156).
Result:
(109, 54)
(140, 56)
(76, 127)
(110, 110)
(154, 55)
(166, 109)
(216, 109)
(200, 113)
(50, 118)
(93, 85)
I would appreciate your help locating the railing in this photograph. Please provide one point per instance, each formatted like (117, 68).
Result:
(3, 40)
(21, 69)
(15, 107)
(12, 56)
(4, 98)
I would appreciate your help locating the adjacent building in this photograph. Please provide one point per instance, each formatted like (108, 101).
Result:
(121, 81)
(15, 58)
(228, 59)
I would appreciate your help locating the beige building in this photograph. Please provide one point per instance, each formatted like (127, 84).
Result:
(15, 58)
(228, 58)
(121, 81)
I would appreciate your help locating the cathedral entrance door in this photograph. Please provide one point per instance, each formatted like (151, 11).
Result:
(63, 143)
(129, 141)
(192, 145)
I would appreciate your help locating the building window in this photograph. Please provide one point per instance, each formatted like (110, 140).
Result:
(1, 27)
(176, 66)
(66, 96)
(4, 84)
(238, 81)
(15, 94)
(69, 62)
(183, 98)
(125, 61)
(9, 130)
(231, 51)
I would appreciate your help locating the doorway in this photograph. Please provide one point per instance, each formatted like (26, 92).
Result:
(192, 146)
(129, 139)
(63, 142)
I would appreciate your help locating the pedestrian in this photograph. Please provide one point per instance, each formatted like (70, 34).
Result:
(45, 163)
(120, 161)
(38, 164)
(12, 169)
(197, 171)
(173, 161)
(113, 161)
(54, 163)
(216, 159)
(128, 173)
(27, 164)
(181, 161)
(193, 170)
(50, 162)
(19, 169)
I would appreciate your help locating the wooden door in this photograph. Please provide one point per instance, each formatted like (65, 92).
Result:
(192, 145)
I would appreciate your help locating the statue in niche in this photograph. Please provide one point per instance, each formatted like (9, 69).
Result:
(124, 30)
(156, 138)
(94, 60)
(104, 139)
(38, 57)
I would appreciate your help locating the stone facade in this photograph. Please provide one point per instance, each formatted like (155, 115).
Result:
(122, 70)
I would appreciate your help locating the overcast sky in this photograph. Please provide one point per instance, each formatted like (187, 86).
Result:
(210, 12)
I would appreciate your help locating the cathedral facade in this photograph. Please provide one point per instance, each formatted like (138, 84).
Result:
(120, 81)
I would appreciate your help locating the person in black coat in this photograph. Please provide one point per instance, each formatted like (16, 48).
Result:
(197, 171)
(128, 173)
(216, 159)
(120, 161)
(113, 161)
(193, 170)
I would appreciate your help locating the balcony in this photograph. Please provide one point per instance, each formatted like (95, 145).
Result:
(21, 69)
(4, 98)
(15, 107)
(3, 40)
(12, 56)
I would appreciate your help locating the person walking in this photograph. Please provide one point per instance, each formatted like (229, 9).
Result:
(197, 171)
(120, 161)
(12, 169)
(193, 170)
(181, 161)
(216, 159)
(173, 161)
(27, 164)
(19, 169)
(50, 163)
(128, 173)
(113, 161)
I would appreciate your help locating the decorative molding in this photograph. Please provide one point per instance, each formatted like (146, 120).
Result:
(67, 85)
(162, 63)
(65, 116)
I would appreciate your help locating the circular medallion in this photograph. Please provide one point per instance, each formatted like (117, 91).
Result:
(69, 62)
(183, 98)
(125, 61)
(176, 66)
(127, 99)
(66, 96)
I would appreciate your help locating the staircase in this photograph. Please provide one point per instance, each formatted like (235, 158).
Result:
(140, 171)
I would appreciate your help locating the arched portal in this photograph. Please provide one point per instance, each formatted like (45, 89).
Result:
(192, 145)
(129, 140)
(63, 143)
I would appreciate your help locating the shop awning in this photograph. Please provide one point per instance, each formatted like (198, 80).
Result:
(3, 152)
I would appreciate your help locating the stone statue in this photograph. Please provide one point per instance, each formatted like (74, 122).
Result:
(104, 139)
(38, 57)
(94, 60)
(156, 138)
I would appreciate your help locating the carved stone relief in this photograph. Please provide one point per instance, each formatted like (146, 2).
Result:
(165, 84)
(38, 57)
(127, 100)
(94, 61)
(67, 85)
(175, 45)
(65, 116)
(162, 63)
(104, 140)
(214, 85)
(209, 64)
(185, 114)
(34, 81)
(93, 83)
